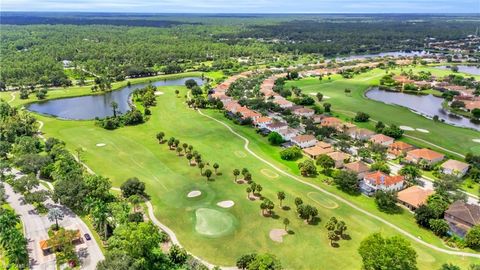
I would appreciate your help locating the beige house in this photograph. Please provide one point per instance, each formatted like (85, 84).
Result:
(381, 139)
(319, 149)
(455, 167)
(430, 156)
(339, 157)
(304, 141)
(413, 197)
(358, 167)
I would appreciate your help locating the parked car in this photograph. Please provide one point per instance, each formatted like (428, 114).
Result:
(87, 236)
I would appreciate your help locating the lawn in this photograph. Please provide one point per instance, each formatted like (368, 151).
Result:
(222, 235)
(447, 136)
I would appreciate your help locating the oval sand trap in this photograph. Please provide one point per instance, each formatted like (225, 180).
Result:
(158, 93)
(476, 140)
(213, 223)
(422, 130)
(322, 200)
(277, 235)
(226, 204)
(406, 128)
(240, 154)
(100, 144)
(194, 193)
(268, 173)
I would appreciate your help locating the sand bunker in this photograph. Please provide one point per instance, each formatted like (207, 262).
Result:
(422, 130)
(158, 93)
(268, 173)
(100, 144)
(194, 193)
(277, 235)
(407, 128)
(226, 204)
(476, 140)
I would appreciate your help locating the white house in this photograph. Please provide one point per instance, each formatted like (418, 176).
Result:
(288, 133)
(454, 167)
(276, 126)
(372, 182)
(304, 141)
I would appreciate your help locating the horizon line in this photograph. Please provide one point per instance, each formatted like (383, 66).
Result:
(253, 13)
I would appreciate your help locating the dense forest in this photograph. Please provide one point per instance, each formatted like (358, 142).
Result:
(117, 46)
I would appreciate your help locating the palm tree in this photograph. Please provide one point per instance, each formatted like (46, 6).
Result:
(331, 224)
(100, 214)
(236, 173)
(259, 189)
(201, 166)
(247, 177)
(179, 151)
(135, 200)
(341, 228)
(286, 222)
(215, 167)
(114, 106)
(249, 190)
(177, 92)
(185, 145)
(55, 214)
(190, 148)
(208, 173)
(189, 157)
(176, 143)
(281, 197)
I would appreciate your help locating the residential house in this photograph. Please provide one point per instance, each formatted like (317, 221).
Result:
(399, 148)
(339, 157)
(317, 118)
(358, 167)
(319, 149)
(232, 107)
(374, 181)
(262, 122)
(331, 122)
(347, 127)
(276, 126)
(250, 114)
(429, 156)
(361, 134)
(462, 217)
(283, 103)
(381, 139)
(304, 112)
(288, 133)
(304, 141)
(454, 167)
(413, 197)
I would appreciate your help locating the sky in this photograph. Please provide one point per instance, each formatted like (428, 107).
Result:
(246, 6)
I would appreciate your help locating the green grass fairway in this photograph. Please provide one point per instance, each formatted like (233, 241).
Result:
(213, 223)
(321, 200)
(447, 136)
(134, 151)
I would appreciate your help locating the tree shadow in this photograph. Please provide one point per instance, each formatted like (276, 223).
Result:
(335, 245)
(286, 208)
(291, 232)
(315, 221)
(275, 216)
(346, 237)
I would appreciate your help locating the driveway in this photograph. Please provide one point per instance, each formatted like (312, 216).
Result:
(36, 229)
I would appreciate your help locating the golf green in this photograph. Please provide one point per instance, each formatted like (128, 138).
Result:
(213, 223)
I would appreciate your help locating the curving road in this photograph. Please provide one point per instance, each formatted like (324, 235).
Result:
(400, 230)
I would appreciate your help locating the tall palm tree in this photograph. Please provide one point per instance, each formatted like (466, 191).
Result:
(55, 214)
(100, 214)
(114, 106)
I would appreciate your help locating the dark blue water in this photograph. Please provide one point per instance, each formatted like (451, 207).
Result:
(89, 107)
(472, 70)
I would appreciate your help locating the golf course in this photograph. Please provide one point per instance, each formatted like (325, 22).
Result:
(191, 205)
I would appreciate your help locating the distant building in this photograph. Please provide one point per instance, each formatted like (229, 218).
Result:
(339, 157)
(262, 122)
(288, 133)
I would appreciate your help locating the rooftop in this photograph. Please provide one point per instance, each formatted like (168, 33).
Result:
(456, 165)
(414, 195)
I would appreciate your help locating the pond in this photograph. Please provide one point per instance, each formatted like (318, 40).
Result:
(89, 107)
(472, 70)
(426, 105)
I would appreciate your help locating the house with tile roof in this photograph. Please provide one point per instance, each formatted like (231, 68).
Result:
(358, 167)
(381, 139)
(374, 181)
(361, 134)
(429, 156)
(339, 157)
(331, 122)
(283, 103)
(276, 126)
(399, 148)
(461, 217)
(262, 122)
(303, 112)
(413, 197)
(319, 149)
(288, 133)
(304, 141)
(454, 167)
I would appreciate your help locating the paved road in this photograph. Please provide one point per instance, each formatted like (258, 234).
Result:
(365, 212)
(36, 229)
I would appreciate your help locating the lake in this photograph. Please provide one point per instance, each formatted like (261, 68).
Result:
(426, 105)
(383, 54)
(92, 106)
(472, 70)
